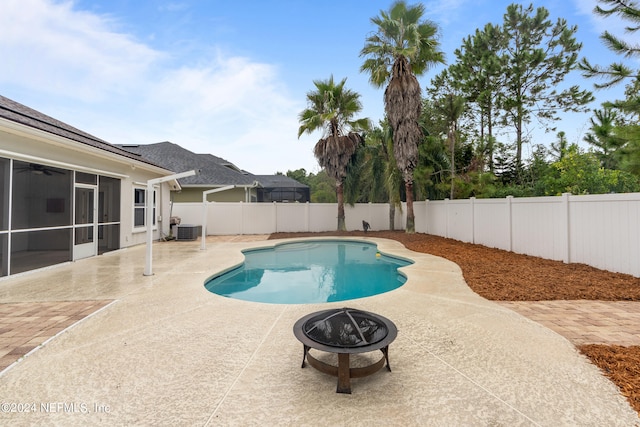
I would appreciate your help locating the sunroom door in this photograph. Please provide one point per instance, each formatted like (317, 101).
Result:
(85, 225)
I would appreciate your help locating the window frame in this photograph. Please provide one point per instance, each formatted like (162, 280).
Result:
(137, 206)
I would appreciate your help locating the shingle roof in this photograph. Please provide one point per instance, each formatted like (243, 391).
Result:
(215, 171)
(16, 112)
(275, 181)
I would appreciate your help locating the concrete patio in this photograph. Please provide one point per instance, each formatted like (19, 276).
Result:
(162, 350)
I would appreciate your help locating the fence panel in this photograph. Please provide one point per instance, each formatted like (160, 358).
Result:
(257, 218)
(376, 214)
(323, 217)
(291, 217)
(602, 231)
(538, 227)
(436, 218)
(492, 219)
(354, 215)
(420, 210)
(460, 220)
(189, 213)
(223, 218)
(605, 232)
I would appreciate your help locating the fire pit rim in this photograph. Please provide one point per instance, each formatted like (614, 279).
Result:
(298, 331)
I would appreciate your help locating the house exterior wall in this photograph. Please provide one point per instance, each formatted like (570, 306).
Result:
(31, 146)
(129, 173)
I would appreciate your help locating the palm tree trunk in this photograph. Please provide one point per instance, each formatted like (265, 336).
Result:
(392, 216)
(411, 218)
(340, 193)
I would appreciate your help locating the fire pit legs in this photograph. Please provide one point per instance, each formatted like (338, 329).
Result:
(385, 351)
(344, 376)
(344, 371)
(304, 354)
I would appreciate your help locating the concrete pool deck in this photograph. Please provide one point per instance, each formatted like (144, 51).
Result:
(165, 351)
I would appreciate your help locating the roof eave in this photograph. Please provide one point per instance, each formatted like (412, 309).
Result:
(33, 133)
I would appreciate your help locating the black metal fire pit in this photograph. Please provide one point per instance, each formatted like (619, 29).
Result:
(345, 331)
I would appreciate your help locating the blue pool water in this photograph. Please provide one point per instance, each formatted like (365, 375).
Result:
(311, 272)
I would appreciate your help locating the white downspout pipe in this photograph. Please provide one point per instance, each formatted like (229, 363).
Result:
(149, 206)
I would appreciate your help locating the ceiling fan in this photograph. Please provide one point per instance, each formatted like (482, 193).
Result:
(38, 169)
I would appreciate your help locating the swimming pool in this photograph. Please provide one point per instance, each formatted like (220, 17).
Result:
(311, 272)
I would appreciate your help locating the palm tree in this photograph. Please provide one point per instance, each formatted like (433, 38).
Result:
(331, 108)
(402, 48)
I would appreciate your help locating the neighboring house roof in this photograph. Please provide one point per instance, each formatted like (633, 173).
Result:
(18, 113)
(274, 181)
(215, 171)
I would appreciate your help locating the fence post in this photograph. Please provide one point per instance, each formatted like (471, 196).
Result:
(510, 221)
(473, 219)
(241, 218)
(426, 216)
(566, 223)
(307, 214)
(275, 217)
(446, 210)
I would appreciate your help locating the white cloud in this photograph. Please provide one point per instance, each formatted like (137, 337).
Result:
(172, 6)
(614, 24)
(226, 85)
(230, 107)
(56, 49)
(443, 12)
(101, 80)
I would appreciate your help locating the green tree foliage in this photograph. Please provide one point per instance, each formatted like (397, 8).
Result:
(432, 171)
(299, 175)
(603, 138)
(505, 166)
(451, 108)
(616, 72)
(403, 47)
(504, 77)
(559, 148)
(331, 108)
(478, 73)
(538, 56)
(513, 73)
(629, 154)
(580, 173)
(431, 174)
(381, 179)
(624, 136)
(323, 188)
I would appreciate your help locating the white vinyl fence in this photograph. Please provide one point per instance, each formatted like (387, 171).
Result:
(599, 230)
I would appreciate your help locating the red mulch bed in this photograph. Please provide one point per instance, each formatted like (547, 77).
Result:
(499, 275)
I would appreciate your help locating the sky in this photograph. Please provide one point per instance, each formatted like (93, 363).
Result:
(230, 78)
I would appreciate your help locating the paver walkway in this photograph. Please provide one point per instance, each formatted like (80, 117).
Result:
(586, 322)
(26, 325)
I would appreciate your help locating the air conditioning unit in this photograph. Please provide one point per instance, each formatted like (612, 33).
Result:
(188, 232)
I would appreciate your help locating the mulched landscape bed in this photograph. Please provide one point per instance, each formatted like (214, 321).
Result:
(499, 275)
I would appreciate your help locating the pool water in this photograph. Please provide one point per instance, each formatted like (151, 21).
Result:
(311, 272)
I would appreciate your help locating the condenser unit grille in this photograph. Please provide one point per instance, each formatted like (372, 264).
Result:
(188, 232)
